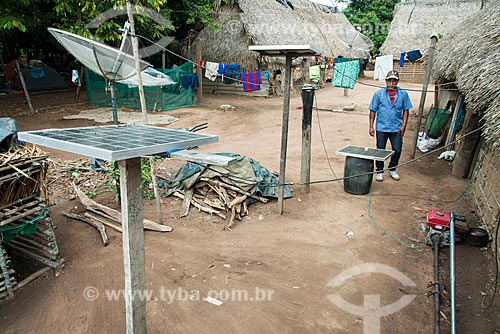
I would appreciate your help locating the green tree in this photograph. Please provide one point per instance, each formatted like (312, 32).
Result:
(24, 23)
(373, 17)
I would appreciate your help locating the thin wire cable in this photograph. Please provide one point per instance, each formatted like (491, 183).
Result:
(323, 143)
(400, 165)
(473, 177)
(321, 33)
(387, 232)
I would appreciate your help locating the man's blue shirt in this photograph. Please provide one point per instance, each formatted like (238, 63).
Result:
(390, 117)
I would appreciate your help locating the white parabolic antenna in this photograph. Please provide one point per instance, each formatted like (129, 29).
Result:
(354, 41)
(112, 64)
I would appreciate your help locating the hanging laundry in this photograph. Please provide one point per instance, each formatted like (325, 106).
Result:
(190, 81)
(402, 59)
(211, 70)
(383, 64)
(231, 74)
(276, 73)
(75, 78)
(251, 81)
(222, 68)
(265, 75)
(346, 74)
(340, 59)
(414, 55)
(314, 73)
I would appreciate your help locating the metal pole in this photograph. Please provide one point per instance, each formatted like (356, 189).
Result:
(112, 90)
(284, 132)
(434, 40)
(452, 270)
(307, 102)
(436, 240)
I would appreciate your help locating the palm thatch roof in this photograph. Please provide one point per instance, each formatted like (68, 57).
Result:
(416, 21)
(471, 58)
(269, 22)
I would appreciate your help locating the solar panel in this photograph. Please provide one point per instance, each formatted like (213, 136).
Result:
(116, 142)
(365, 152)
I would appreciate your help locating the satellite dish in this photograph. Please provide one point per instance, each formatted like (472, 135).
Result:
(354, 41)
(108, 62)
(115, 65)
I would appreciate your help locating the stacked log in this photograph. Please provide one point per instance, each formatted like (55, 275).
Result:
(218, 198)
(7, 279)
(25, 221)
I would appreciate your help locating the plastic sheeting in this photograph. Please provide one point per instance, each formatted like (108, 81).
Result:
(8, 133)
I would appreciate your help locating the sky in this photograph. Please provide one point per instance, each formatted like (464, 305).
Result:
(341, 5)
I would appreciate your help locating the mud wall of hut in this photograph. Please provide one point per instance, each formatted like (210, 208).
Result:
(485, 191)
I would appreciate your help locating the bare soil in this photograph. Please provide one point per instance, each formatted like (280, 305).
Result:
(292, 258)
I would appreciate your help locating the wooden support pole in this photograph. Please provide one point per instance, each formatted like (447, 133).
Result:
(199, 92)
(135, 48)
(421, 106)
(284, 132)
(305, 169)
(25, 89)
(133, 244)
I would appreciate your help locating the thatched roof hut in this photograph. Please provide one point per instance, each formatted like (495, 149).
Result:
(266, 22)
(471, 59)
(416, 21)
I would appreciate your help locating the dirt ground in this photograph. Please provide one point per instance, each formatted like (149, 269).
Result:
(286, 263)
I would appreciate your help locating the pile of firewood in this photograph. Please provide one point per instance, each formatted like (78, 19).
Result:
(218, 198)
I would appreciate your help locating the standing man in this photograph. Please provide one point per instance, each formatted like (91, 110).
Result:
(390, 106)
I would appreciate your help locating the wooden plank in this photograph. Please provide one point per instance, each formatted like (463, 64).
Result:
(186, 203)
(203, 158)
(94, 223)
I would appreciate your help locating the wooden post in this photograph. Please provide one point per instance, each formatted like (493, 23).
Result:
(199, 92)
(451, 131)
(305, 169)
(436, 95)
(133, 244)
(135, 48)
(25, 89)
(163, 59)
(467, 146)
(284, 132)
(434, 40)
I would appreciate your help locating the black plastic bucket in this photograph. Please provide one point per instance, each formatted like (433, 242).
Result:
(358, 185)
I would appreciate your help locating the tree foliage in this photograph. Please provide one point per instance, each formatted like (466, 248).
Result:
(373, 17)
(24, 23)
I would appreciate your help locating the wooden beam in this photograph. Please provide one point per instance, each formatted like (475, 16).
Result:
(432, 47)
(133, 244)
(284, 132)
(305, 165)
(25, 89)
(199, 91)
